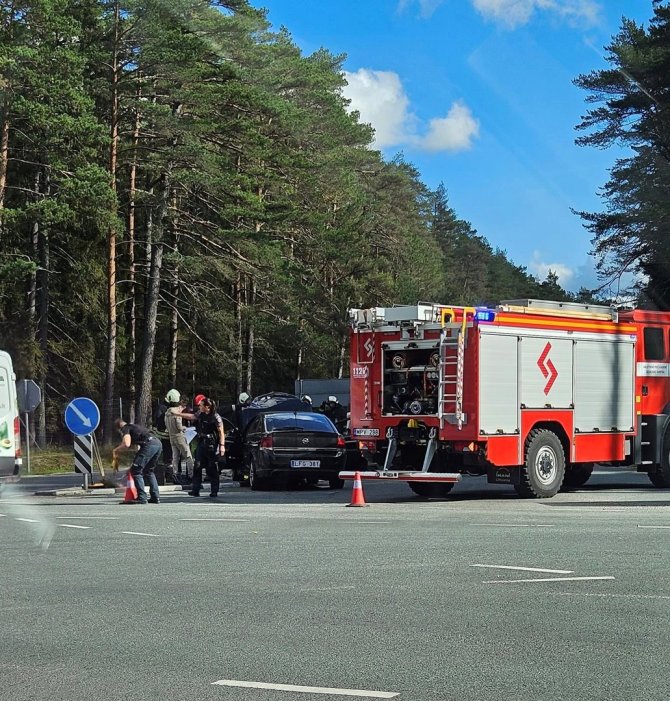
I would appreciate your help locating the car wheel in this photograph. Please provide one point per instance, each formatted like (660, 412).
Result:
(336, 483)
(255, 482)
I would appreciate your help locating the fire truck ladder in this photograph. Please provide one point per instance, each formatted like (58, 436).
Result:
(450, 390)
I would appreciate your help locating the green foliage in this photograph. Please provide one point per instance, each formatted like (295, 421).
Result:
(237, 158)
(633, 110)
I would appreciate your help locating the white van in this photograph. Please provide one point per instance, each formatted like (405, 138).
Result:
(10, 436)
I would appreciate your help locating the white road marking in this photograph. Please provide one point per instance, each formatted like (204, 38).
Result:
(653, 526)
(71, 525)
(516, 525)
(28, 520)
(308, 689)
(544, 579)
(104, 518)
(150, 535)
(367, 521)
(609, 596)
(232, 520)
(2, 515)
(322, 589)
(524, 569)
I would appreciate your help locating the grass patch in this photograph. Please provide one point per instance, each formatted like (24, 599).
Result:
(51, 461)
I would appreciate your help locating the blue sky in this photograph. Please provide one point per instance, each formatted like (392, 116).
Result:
(478, 94)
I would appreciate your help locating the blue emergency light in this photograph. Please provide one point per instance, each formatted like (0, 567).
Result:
(485, 315)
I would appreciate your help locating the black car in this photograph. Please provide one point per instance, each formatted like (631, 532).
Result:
(293, 444)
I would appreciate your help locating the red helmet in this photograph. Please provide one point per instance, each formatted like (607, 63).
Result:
(198, 398)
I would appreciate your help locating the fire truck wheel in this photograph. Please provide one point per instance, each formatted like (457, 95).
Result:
(577, 476)
(660, 474)
(544, 469)
(428, 490)
(658, 478)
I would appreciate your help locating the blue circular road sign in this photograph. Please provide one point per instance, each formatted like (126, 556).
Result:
(82, 416)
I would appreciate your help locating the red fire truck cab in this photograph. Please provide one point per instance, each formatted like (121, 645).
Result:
(530, 393)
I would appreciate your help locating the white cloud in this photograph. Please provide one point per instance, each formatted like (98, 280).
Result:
(380, 98)
(512, 13)
(454, 132)
(540, 269)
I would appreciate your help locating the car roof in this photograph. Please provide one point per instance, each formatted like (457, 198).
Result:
(298, 414)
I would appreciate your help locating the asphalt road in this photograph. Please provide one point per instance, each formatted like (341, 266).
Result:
(406, 597)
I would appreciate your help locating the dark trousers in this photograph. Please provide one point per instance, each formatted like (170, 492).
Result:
(205, 456)
(143, 466)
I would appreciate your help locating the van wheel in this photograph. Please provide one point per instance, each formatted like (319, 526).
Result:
(543, 472)
(577, 476)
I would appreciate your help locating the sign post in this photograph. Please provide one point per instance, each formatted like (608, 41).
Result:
(29, 397)
(82, 417)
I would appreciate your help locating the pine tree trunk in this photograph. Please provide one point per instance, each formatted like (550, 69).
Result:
(174, 329)
(132, 292)
(4, 156)
(250, 340)
(151, 305)
(238, 320)
(174, 319)
(43, 326)
(108, 408)
(34, 253)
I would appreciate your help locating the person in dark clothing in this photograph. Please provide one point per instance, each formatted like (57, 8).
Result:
(335, 412)
(145, 459)
(211, 442)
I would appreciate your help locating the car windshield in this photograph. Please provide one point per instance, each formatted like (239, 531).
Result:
(298, 422)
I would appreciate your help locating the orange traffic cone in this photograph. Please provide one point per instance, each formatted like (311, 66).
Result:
(357, 497)
(131, 490)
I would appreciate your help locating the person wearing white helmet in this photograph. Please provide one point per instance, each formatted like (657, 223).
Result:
(335, 412)
(176, 429)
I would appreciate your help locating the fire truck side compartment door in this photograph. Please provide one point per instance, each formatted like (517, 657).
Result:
(546, 372)
(604, 385)
(498, 386)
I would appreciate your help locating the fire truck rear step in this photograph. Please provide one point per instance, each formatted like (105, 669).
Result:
(403, 476)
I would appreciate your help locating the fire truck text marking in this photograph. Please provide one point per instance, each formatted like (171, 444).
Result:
(547, 368)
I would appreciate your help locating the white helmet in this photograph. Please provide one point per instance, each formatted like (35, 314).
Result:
(173, 396)
(332, 398)
(244, 397)
(306, 398)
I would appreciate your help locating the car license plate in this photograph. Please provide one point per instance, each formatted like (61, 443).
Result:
(305, 463)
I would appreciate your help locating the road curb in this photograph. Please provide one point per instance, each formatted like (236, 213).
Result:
(107, 491)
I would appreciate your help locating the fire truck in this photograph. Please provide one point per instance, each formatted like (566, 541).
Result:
(529, 393)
